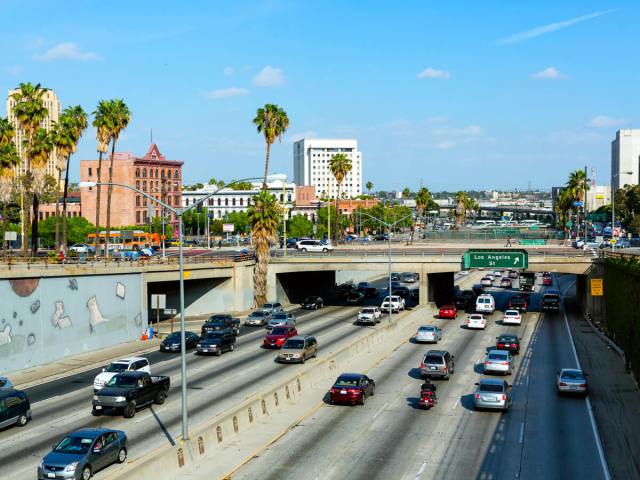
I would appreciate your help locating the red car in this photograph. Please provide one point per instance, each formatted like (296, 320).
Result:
(547, 281)
(448, 311)
(352, 388)
(278, 336)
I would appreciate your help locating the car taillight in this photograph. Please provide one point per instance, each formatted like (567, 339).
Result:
(582, 385)
(422, 365)
(486, 362)
(500, 345)
(445, 368)
(477, 395)
(504, 397)
(504, 363)
(353, 391)
(562, 384)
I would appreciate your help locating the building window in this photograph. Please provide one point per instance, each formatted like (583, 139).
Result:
(186, 202)
(144, 201)
(176, 199)
(162, 174)
(219, 202)
(138, 184)
(241, 201)
(138, 216)
(90, 171)
(137, 200)
(144, 185)
(175, 175)
(169, 200)
(211, 202)
(137, 173)
(156, 182)
(233, 202)
(226, 202)
(144, 173)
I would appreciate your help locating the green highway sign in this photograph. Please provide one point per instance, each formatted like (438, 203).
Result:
(496, 258)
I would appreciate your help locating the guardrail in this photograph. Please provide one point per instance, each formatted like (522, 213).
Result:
(364, 253)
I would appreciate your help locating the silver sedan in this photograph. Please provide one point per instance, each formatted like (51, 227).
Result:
(498, 361)
(572, 380)
(428, 333)
(492, 394)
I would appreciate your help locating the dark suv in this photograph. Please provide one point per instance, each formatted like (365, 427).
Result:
(437, 363)
(217, 342)
(14, 408)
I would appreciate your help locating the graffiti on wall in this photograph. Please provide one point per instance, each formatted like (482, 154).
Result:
(43, 319)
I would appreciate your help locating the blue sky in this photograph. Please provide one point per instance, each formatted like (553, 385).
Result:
(456, 95)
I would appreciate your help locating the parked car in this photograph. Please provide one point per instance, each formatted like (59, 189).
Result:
(492, 394)
(82, 248)
(512, 317)
(15, 408)
(313, 246)
(509, 342)
(476, 321)
(271, 307)
(129, 391)
(292, 242)
(222, 321)
(312, 303)
(485, 303)
(298, 349)
(278, 336)
(498, 361)
(428, 334)
(355, 298)
(448, 311)
(368, 316)
(132, 364)
(505, 282)
(84, 452)
(258, 317)
(437, 364)
(172, 342)
(486, 281)
(282, 319)
(573, 381)
(352, 388)
(393, 303)
(518, 303)
(217, 342)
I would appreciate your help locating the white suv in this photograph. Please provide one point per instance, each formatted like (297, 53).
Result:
(132, 364)
(397, 304)
(485, 303)
(313, 246)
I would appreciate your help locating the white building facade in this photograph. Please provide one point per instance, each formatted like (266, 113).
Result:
(311, 166)
(625, 157)
(227, 200)
(598, 196)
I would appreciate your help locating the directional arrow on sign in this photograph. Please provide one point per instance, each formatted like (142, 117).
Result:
(515, 262)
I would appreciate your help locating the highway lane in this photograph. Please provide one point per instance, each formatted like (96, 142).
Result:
(543, 436)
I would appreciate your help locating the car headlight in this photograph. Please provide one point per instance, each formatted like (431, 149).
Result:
(198, 345)
(296, 355)
(95, 397)
(120, 399)
(42, 463)
(71, 467)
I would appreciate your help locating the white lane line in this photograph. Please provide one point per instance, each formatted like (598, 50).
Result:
(594, 427)
(521, 437)
(453, 407)
(381, 409)
(421, 471)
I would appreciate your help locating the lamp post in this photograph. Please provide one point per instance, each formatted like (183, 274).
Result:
(179, 212)
(284, 215)
(613, 206)
(389, 226)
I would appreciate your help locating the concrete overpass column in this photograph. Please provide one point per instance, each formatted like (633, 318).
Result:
(424, 286)
(242, 287)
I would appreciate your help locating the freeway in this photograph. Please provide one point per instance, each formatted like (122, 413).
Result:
(542, 436)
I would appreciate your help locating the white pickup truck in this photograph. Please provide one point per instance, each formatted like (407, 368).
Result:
(396, 304)
(131, 364)
(369, 316)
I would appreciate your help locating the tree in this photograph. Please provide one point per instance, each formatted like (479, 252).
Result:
(369, 186)
(9, 160)
(424, 202)
(78, 229)
(38, 151)
(101, 122)
(80, 123)
(30, 112)
(339, 165)
(156, 227)
(264, 217)
(299, 226)
(240, 221)
(462, 200)
(241, 185)
(119, 117)
(272, 122)
(213, 181)
(406, 192)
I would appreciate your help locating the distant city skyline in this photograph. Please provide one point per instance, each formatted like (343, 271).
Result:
(448, 96)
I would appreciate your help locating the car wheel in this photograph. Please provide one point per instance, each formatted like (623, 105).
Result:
(232, 347)
(303, 250)
(86, 473)
(129, 410)
(373, 390)
(22, 420)
(122, 455)
(447, 376)
(218, 352)
(315, 307)
(324, 250)
(160, 397)
(364, 398)
(95, 413)
(304, 359)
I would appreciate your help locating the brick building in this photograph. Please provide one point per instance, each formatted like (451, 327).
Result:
(152, 173)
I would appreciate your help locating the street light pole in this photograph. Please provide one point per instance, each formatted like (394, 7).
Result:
(179, 212)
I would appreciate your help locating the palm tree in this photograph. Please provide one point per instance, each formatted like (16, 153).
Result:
(406, 192)
(272, 121)
(471, 205)
(80, 122)
(564, 205)
(29, 111)
(119, 118)
(38, 152)
(9, 159)
(462, 201)
(339, 165)
(264, 218)
(577, 186)
(101, 122)
(369, 186)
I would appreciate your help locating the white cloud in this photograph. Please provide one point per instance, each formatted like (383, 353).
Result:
(604, 121)
(66, 51)
(434, 73)
(549, 73)
(445, 145)
(269, 77)
(551, 27)
(13, 70)
(223, 93)
(228, 71)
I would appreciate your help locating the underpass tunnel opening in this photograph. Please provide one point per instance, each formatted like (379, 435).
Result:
(441, 288)
(295, 287)
(201, 297)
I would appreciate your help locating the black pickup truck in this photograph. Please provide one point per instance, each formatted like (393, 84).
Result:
(130, 390)
(221, 321)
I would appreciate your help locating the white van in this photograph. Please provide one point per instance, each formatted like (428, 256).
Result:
(485, 303)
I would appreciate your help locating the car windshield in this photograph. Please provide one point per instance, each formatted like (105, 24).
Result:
(279, 331)
(174, 337)
(73, 444)
(258, 314)
(426, 329)
(294, 344)
(212, 336)
(346, 382)
(512, 313)
(497, 356)
(122, 381)
(572, 375)
(310, 300)
(117, 367)
(491, 387)
(434, 359)
(506, 338)
(475, 317)
(280, 316)
(368, 310)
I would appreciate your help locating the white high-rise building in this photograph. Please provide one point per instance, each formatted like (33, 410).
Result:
(625, 157)
(311, 165)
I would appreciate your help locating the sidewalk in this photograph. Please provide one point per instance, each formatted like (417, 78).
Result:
(615, 398)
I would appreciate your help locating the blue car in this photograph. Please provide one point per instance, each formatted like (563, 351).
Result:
(82, 453)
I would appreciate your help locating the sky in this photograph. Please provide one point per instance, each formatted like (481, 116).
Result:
(449, 95)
